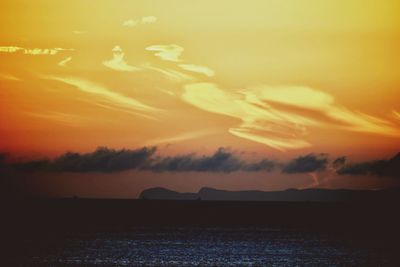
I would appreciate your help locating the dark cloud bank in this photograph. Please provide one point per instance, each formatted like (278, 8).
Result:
(308, 163)
(385, 167)
(105, 159)
(110, 160)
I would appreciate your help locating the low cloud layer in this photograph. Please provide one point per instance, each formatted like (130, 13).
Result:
(384, 167)
(110, 160)
(223, 160)
(307, 164)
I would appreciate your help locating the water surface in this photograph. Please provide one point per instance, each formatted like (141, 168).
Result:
(202, 247)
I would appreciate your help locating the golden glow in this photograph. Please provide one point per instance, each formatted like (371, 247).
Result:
(288, 75)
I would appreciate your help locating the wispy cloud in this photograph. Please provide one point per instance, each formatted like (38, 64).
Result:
(45, 51)
(148, 19)
(10, 49)
(198, 69)
(171, 74)
(33, 51)
(305, 98)
(78, 32)
(60, 117)
(266, 138)
(396, 114)
(143, 20)
(170, 52)
(279, 117)
(106, 94)
(130, 23)
(180, 137)
(9, 77)
(63, 62)
(259, 124)
(118, 63)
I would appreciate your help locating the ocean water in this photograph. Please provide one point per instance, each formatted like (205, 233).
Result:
(200, 247)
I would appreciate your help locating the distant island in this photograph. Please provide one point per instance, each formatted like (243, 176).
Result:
(289, 195)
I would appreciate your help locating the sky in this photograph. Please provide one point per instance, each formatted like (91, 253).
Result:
(276, 80)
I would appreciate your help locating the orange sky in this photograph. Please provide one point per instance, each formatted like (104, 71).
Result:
(276, 77)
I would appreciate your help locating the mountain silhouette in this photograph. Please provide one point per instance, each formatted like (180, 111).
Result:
(163, 193)
(303, 195)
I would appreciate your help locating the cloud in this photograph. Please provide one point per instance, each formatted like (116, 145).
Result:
(60, 117)
(78, 32)
(305, 98)
(384, 167)
(396, 114)
(258, 124)
(104, 159)
(307, 164)
(198, 69)
(280, 116)
(106, 94)
(170, 52)
(101, 160)
(143, 20)
(45, 51)
(130, 23)
(10, 49)
(118, 63)
(148, 20)
(224, 160)
(173, 75)
(275, 142)
(180, 137)
(262, 165)
(339, 162)
(64, 62)
(9, 77)
(221, 161)
(33, 51)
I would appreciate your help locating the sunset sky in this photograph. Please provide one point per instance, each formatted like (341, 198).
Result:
(274, 79)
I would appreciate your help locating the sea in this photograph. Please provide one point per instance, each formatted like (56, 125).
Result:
(191, 246)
